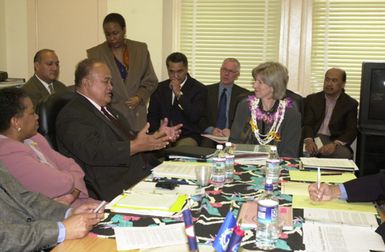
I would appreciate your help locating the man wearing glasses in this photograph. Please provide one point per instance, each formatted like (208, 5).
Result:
(222, 100)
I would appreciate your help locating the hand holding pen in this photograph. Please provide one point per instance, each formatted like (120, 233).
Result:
(323, 192)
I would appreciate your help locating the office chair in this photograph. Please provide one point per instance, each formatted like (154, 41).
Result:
(48, 109)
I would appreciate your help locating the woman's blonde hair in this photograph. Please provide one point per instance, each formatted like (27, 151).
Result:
(275, 75)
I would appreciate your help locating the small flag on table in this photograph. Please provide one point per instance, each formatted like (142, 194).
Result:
(189, 227)
(222, 239)
(235, 240)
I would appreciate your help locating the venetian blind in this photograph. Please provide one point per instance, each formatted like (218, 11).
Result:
(346, 33)
(212, 30)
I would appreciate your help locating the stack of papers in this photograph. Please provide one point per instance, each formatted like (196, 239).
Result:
(326, 230)
(339, 164)
(175, 169)
(216, 139)
(252, 148)
(128, 238)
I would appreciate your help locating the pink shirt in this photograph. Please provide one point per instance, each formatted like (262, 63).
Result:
(329, 107)
(45, 170)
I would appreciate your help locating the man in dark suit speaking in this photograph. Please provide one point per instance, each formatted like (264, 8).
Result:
(99, 138)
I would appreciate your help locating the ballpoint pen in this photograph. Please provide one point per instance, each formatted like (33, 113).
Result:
(318, 177)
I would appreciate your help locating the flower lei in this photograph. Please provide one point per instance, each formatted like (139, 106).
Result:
(275, 119)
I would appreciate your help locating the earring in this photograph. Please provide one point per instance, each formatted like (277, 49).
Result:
(18, 129)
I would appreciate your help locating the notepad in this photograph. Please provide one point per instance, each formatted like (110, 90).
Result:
(340, 164)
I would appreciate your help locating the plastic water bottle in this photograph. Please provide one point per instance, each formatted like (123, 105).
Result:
(273, 167)
(219, 166)
(229, 155)
(267, 232)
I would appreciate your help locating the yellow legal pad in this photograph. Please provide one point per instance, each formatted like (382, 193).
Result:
(151, 201)
(301, 201)
(311, 176)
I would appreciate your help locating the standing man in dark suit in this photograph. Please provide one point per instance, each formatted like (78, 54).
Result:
(331, 115)
(31, 222)
(181, 99)
(222, 100)
(44, 82)
(99, 138)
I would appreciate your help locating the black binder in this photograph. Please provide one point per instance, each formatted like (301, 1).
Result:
(190, 151)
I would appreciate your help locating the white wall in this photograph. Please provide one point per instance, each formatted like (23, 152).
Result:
(13, 45)
(70, 27)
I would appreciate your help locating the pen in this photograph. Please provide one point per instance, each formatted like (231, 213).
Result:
(102, 204)
(318, 177)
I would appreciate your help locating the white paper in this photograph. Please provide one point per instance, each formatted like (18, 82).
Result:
(218, 139)
(342, 238)
(173, 169)
(340, 217)
(149, 237)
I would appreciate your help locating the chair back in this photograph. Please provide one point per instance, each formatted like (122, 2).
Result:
(48, 109)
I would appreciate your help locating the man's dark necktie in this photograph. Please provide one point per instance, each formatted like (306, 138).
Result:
(221, 117)
(118, 124)
(51, 89)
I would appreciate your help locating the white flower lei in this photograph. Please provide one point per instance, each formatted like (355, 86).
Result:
(278, 118)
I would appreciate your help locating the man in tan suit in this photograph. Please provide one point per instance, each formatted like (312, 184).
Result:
(44, 82)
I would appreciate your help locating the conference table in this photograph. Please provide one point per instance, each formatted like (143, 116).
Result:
(208, 214)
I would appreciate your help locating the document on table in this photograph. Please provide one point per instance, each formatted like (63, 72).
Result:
(341, 238)
(175, 169)
(149, 237)
(217, 139)
(329, 163)
(303, 202)
(295, 188)
(340, 217)
(327, 177)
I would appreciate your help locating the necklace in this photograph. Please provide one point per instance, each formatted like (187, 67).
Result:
(275, 119)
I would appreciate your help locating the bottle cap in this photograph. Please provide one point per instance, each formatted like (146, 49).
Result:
(219, 147)
(228, 144)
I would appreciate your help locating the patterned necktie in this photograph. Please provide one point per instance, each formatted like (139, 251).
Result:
(118, 124)
(222, 117)
(51, 89)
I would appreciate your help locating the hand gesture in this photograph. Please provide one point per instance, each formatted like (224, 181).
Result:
(145, 142)
(172, 133)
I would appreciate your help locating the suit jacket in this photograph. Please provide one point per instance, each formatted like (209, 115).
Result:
(343, 121)
(36, 90)
(101, 149)
(28, 221)
(211, 114)
(55, 179)
(290, 129)
(141, 80)
(366, 188)
(189, 109)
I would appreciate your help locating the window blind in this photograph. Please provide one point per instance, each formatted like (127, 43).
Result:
(212, 30)
(344, 34)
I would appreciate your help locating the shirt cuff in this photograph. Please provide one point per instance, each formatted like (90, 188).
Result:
(209, 130)
(344, 194)
(68, 213)
(62, 232)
